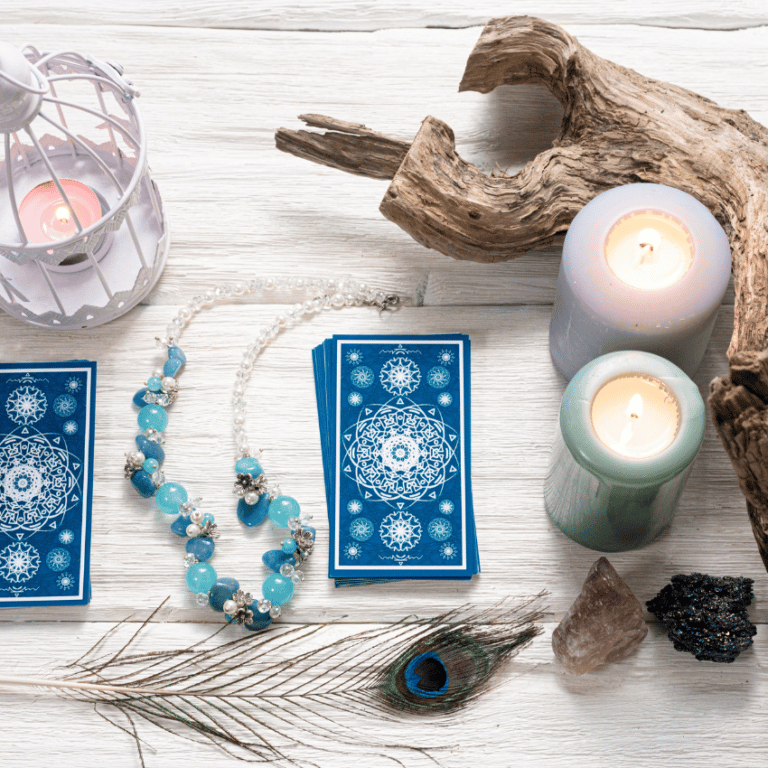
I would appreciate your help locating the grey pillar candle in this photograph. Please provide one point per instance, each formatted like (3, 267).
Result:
(630, 426)
(644, 267)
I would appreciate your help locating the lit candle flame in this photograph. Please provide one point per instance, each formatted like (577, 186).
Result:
(635, 408)
(648, 241)
(62, 214)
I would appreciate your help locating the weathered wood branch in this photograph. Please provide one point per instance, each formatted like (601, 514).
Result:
(350, 147)
(619, 127)
(740, 411)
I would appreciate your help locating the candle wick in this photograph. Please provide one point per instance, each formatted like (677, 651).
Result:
(646, 249)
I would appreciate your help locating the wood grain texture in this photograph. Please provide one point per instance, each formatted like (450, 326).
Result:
(369, 15)
(212, 99)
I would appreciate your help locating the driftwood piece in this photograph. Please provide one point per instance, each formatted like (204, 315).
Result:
(619, 127)
(740, 411)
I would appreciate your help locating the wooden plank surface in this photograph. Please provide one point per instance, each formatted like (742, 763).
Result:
(368, 15)
(215, 85)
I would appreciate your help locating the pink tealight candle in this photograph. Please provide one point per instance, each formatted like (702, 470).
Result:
(46, 217)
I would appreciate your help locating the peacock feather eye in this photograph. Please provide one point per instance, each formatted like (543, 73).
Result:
(450, 664)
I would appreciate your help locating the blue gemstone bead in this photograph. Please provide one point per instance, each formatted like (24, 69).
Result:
(253, 514)
(282, 509)
(153, 383)
(289, 546)
(150, 466)
(248, 465)
(169, 496)
(179, 525)
(143, 484)
(260, 620)
(172, 366)
(138, 398)
(202, 576)
(153, 416)
(222, 591)
(274, 558)
(175, 353)
(277, 589)
(201, 548)
(150, 449)
(208, 518)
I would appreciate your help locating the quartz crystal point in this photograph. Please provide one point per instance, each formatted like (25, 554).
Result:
(603, 625)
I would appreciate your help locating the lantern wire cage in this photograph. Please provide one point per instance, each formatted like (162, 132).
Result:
(83, 128)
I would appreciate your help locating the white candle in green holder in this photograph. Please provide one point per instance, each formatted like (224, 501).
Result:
(630, 425)
(644, 267)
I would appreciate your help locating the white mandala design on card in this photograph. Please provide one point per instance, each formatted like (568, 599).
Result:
(400, 531)
(64, 405)
(65, 581)
(26, 405)
(438, 377)
(440, 529)
(362, 377)
(353, 550)
(400, 376)
(401, 452)
(361, 529)
(19, 562)
(447, 551)
(38, 481)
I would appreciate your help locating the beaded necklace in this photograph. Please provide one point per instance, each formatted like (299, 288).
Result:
(257, 498)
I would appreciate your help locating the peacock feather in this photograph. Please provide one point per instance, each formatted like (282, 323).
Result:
(274, 696)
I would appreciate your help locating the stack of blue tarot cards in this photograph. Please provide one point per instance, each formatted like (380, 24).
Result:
(46, 482)
(395, 431)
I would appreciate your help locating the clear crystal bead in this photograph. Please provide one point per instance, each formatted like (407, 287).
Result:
(293, 523)
(286, 569)
(275, 611)
(189, 559)
(263, 606)
(295, 578)
(202, 598)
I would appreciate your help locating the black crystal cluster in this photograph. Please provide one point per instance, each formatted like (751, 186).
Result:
(706, 615)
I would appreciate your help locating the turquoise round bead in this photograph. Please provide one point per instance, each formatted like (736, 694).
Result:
(169, 496)
(282, 509)
(150, 466)
(153, 383)
(277, 589)
(154, 417)
(208, 518)
(289, 546)
(201, 577)
(248, 465)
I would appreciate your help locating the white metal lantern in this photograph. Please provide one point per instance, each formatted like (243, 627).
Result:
(82, 232)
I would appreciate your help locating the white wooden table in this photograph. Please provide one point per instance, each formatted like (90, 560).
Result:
(216, 80)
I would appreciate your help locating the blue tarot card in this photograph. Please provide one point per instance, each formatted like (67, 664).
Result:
(398, 473)
(46, 474)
